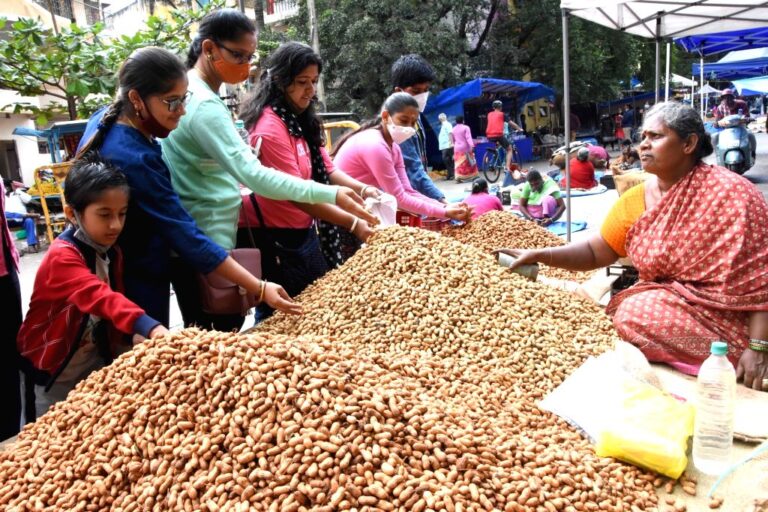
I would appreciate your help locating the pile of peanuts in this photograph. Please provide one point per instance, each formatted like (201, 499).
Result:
(496, 230)
(409, 384)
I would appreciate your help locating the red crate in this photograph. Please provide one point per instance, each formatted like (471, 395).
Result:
(433, 224)
(408, 219)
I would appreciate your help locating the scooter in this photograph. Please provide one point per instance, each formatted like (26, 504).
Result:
(734, 144)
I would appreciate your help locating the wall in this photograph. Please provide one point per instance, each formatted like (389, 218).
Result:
(26, 147)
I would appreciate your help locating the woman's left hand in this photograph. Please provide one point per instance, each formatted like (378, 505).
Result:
(277, 298)
(753, 369)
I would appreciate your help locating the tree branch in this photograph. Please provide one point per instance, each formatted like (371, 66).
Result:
(486, 30)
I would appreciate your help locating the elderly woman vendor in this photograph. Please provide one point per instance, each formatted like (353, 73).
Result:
(698, 236)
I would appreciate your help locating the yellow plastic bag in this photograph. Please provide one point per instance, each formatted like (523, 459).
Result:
(650, 429)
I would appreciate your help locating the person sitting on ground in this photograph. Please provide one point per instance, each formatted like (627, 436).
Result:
(598, 156)
(582, 171)
(78, 315)
(627, 160)
(17, 215)
(701, 261)
(464, 161)
(541, 200)
(481, 200)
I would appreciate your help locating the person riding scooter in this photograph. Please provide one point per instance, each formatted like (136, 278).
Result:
(729, 106)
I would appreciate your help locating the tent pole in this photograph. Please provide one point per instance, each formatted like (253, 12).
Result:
(701, 82)
(666, 82)
(567, 111)
(658, 59)
(693, 91)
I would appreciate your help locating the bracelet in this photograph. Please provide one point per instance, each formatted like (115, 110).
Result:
(758, 345)
(362, 191)
(354, 225)
(263, 289)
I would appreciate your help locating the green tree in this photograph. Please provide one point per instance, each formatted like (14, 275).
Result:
(78, 62)
(360, 39)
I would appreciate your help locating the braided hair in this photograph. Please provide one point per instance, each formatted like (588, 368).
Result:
(150, 70)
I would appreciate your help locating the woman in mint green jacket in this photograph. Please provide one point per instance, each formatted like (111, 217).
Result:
(208, 159)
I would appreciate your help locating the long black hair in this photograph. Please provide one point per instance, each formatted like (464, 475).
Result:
(394, 104)
(150, 70)
(279, 71)
(89, 177)
(219, 25)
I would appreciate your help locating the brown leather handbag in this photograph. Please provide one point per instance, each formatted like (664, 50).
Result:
(220, 296)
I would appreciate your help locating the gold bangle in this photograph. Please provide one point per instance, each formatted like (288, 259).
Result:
(354, 225)
(263, 289)
(362, 190)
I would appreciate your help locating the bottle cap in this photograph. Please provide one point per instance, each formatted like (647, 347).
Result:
(239, 124)
(719, 348)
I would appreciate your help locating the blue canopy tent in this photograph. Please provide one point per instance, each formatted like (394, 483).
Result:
(483, 90)
(710, 44)
(735, 65)
(752, 86)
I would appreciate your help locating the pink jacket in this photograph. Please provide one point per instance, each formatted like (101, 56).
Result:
(367, 157)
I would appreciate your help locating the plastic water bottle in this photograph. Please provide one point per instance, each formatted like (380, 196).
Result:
(240, 127)
(715, 400)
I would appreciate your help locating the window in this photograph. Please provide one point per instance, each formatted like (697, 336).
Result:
(60, 7)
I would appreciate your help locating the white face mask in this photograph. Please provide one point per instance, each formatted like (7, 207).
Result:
(400, 134)
(421, 99)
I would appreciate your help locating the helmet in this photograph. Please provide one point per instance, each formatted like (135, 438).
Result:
(496, 104)
(726, 92)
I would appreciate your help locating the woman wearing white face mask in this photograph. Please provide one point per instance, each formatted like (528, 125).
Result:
(464, 164)
(372, 155)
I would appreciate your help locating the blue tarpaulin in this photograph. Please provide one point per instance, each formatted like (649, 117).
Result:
(735, 65)
(709, 44)
(483, 90)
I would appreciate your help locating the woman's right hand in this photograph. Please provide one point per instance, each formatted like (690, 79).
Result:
(349, 201)
(460, 212)
(522, 256)
(277, 298)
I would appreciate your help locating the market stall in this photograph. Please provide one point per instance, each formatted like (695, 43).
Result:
(473, 100)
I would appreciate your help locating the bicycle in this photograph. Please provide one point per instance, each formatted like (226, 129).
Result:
(494, 161)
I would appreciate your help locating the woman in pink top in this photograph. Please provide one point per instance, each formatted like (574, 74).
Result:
(372, 155)
(464, 162)
(288, 136)
(481, 200)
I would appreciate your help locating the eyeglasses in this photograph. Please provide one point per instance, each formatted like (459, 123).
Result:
(174, 105)
(238, 56)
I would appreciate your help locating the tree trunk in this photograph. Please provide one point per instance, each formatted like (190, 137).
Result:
(258, 11)
(72, 108)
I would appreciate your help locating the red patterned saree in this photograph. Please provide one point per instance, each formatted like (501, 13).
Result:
(702, 256)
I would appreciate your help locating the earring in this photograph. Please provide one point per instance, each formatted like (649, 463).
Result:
(210, 56)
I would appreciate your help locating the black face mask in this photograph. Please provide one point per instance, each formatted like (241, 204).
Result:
(150, 124)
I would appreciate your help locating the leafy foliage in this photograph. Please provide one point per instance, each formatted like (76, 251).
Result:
(78, 62)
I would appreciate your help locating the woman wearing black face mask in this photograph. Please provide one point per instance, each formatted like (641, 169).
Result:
(149, 104)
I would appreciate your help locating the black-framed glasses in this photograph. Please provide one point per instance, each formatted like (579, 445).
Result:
(238, 56)
(173, 105)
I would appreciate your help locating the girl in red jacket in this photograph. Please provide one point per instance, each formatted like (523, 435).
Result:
(78, 315)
